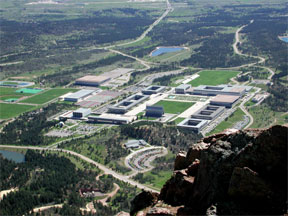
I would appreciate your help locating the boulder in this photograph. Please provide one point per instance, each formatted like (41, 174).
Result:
(180, 161)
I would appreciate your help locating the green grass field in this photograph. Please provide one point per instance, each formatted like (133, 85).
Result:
(47, 96)
(178, 120)
(213, 77)
(12, 110)
(6, 93)
(174, 107)
(228, 123)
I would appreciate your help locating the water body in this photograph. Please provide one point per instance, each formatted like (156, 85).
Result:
(14, 156)
(162, 50)
(285, 39)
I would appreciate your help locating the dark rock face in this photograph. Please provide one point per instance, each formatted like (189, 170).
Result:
(143, 200)
(243, 172)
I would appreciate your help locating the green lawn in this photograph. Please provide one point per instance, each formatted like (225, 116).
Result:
(213, 77)
(228, 123)
(6, 93)
(47, 96)
(12, 110)
(178, 120)
(174, 107)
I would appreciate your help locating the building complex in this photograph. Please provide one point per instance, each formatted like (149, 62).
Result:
(126, 104)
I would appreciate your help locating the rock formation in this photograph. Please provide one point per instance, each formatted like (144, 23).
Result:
(242, 172)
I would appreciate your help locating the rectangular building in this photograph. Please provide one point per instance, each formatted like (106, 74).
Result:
(126, 104)
(224, 100)
(111, 119)
(92, 80)
(81, 112)
(221, 89)
(195, 125)
(181, 89)
(208, 112)
(153, 90)
(154, 111)
(79, 95)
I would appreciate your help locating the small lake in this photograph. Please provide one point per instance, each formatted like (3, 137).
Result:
(161, 50)
(285, 39)
(14, 156)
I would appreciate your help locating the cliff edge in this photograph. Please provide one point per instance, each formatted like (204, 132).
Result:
(231, 173)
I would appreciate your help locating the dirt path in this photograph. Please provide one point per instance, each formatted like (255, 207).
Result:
(109, 195)
(5, 192)
(43, 208)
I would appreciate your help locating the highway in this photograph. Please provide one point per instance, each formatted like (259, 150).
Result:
(106, 170)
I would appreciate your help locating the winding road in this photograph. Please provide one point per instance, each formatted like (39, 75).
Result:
(106, 170)
(260, 61)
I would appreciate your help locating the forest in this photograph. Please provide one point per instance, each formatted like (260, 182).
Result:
(48, 178)
(161, 135)
(78, 32)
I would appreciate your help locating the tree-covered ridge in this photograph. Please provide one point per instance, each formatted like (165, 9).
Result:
(48, 179)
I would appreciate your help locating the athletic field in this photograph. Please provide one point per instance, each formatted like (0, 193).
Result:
(47, 96)
(213, 77)
(174, 107)
(12, 110)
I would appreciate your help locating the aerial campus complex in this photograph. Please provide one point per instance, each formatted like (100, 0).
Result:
(196, 109)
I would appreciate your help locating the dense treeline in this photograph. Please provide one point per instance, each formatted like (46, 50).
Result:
(278, 100)
(217, 52)
(29, 128)
(51, 179)
(10, 176)
(161, 135)
(96, 29)
(263, 39)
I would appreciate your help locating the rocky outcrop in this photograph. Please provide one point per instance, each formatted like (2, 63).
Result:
(143, 200)
(238, 172)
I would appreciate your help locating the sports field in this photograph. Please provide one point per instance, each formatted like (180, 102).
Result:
(213, 77)
(174, 107)
(29, 90)
(47, 96)
(6, 93)
(12, 110)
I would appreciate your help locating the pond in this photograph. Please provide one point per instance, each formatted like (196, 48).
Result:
(285, 39)
(14, 156)
(161, 50)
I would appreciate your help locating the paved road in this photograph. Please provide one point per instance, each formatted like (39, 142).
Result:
(106, 170)
(169, 8)
(261, 60)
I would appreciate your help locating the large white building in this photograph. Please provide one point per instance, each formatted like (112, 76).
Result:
(75, 97)
(221, 89)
